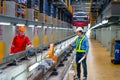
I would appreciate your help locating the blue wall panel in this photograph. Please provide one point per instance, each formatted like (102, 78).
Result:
(52, 10)
(45, 7)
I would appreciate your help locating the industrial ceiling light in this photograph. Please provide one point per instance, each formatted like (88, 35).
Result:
(53, 27)
(39, 26)
(57, 28)
(88, 26)
(99, 24)
(20, 24)
(45, 26)
(31, 26)
(104, 21)
(33, 66)
(5, 23)
(36, 19)
(96, 25)
(50, 27)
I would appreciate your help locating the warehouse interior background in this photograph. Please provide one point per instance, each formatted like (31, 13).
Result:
(51, 22)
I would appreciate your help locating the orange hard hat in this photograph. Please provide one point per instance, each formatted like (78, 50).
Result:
(22, 28)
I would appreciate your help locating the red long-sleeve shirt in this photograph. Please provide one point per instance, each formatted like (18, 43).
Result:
(19, 44)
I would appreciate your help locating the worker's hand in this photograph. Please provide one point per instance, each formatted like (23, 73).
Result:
(70, 45)
(29, 46)
(85, 55)
(12, 46)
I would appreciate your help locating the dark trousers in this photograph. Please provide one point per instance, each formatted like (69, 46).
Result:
(78, 57)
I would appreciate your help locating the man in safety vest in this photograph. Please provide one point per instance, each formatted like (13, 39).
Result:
(82, 47)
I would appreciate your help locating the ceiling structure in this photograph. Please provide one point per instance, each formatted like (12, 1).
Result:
(81, 5)
(93, 7)
(89, 5)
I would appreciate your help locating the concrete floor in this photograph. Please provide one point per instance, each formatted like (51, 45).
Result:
(99, 63)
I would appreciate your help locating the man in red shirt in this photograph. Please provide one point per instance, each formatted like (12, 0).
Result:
(20, 41)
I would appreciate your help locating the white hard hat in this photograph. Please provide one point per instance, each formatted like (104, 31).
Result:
(79, 29)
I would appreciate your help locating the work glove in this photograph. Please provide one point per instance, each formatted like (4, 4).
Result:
(29, 46)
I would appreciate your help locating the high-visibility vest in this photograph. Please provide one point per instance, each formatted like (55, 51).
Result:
(79, 44)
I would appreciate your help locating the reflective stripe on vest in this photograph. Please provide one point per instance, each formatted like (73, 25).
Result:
(79, 44)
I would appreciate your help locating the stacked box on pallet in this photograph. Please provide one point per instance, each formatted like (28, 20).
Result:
(46, 17)
(55, 21)
(66, 24)
(45, 11)
(10, 9)
(59, 23)
(33, 6)
(63, 24)
(31, 14)
(42, 18)
(49, 19)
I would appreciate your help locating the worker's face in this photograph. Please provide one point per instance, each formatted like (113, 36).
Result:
(21, 33)
(79, 33)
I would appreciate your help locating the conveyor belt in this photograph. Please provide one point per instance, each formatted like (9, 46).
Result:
(62, 70)
(60, 58)
(21, 68)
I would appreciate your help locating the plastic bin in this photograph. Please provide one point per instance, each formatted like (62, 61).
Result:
(116, 53)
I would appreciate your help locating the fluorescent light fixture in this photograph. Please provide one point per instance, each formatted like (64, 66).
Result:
(70, 29)
(20, 24)
(88, 26)
(53, 27)
(39, 26)
(33, 66)
(99, 24)
(63, 28)
(45, 26)
(5, 23)
(96, 25)
(87, 7)
(31, 26)
(66, 28)
(50, 27)
(104, 21)
(87, 3)
(57, 28)
(36, 19)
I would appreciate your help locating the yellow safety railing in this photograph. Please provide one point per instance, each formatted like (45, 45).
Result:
(37, 15)
(3, 7)
(2, 50)
(21, 11)
(46, 18)
(71, 9)
(92, 17)
(67, 3)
